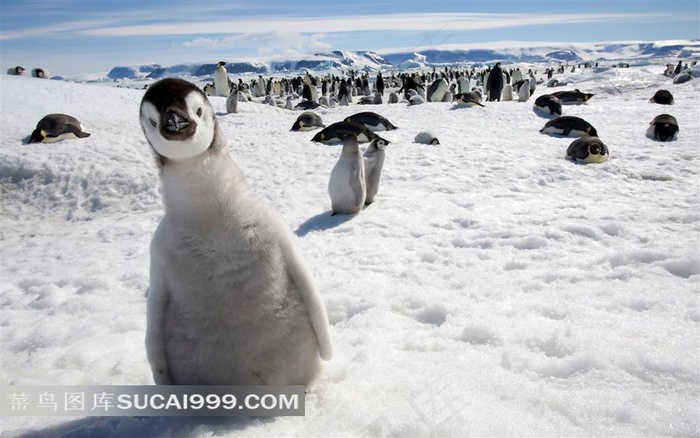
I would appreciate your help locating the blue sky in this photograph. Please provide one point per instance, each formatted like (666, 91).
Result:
(78, 36)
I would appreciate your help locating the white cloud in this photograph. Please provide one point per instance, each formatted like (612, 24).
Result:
(266, 43)
(390, 22)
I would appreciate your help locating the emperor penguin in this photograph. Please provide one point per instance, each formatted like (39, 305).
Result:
(548, 105)
(232, 100)
(507, 93)
(347, 187)
(57, 127)
(221, 81)
(575, 97)
(307, 121)
(524, 90)
(15, 71)
(262, 86)
(588, 150)
(569, 126)
(374, 161)
(662, 97)
(372, 121)
(436, 91)
(40, 73)
(426, 137)
(231, 300)
(664, 127)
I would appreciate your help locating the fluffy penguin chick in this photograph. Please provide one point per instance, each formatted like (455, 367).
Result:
(374, 161)
(347, 183)
(231, 300)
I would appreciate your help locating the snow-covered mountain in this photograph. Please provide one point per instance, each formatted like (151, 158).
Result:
(506, 52)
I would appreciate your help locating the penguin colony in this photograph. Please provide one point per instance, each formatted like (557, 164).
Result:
(209, 208)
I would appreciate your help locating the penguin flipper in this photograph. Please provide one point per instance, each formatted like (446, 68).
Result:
(77, 132)
(302, 280)
(156, 303)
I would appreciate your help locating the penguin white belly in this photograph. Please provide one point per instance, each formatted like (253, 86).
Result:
(64, 136)
(507, 93)
(373, 173)
(343, 188)
(221, 82)
(224, 290)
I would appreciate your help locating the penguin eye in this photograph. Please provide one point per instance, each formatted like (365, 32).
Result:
(199, 112)
(152, 122)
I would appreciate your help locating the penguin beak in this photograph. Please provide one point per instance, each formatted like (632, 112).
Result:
(175, 123)
(37, 136)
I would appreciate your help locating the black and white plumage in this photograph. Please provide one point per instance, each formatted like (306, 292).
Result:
(374, 162)
(588, 150)
(308, 121)
(231, 300)
(336, 132)
(16, 71)
(222, 83)
(569, 126)
(372, 121)
(574, 97)
(662, 97)
(426, 137)
(468, 99)
(56, 127)
(548, 104)
(40, 72)
(436, 91)
(663, 127)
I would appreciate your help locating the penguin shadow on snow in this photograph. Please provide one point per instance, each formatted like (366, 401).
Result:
(322, 222)
(117, 427)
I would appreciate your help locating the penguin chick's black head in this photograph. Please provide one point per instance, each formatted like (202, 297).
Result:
(177, 119)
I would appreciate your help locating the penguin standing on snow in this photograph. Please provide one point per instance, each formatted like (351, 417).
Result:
(347, 186)
(436, 91)
(374, 161)
(221, 81)
(495, 83)
(231, 300)
(232, 100)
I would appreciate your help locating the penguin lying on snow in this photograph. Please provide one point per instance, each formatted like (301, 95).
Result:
(308, 121)
(372, 121)
(662, 97)
(588, 150)
(57, 127)
(664, 127)
(569, 126)
(16, 71)
(575, 97)
(426, 137)
(548, 104)
(231, 300)
(335, 133)
(468, 99)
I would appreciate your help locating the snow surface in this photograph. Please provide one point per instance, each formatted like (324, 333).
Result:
(494, 288)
